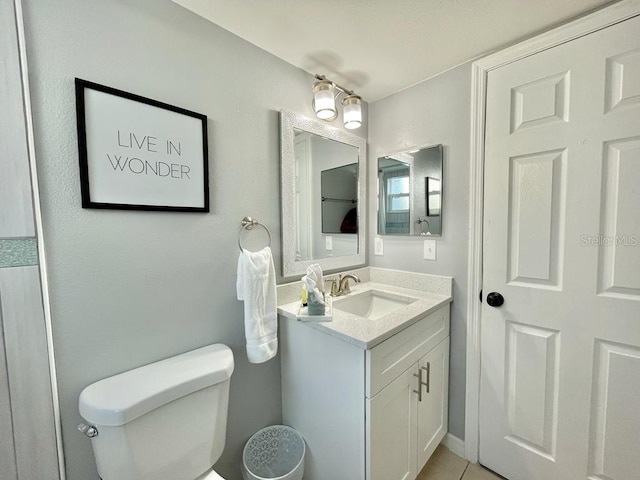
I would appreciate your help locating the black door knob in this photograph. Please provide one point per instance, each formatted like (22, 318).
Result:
(494, 299)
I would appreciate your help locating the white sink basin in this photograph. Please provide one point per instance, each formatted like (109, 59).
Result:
(372, 304)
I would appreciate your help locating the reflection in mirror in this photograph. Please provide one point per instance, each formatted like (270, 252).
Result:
(323, 178)
(326, 186)
(433, 197)
(410, 192)
(339, 199)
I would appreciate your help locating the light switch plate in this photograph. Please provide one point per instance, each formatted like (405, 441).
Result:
(378, 246)
(429, 249)
(328, 243)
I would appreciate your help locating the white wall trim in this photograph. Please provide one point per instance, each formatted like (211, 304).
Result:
(476, 195)
(578, 28)
(453, 443)
(42, 261)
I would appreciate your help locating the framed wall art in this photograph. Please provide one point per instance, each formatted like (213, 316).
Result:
(140, 154)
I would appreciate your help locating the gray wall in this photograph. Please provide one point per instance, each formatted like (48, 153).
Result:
(435, 111)
(127, 287)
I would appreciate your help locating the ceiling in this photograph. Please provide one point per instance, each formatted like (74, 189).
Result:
(379, 47)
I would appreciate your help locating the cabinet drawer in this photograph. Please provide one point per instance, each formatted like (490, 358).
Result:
(387, 361)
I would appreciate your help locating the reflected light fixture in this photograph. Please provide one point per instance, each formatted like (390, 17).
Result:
(325, 93)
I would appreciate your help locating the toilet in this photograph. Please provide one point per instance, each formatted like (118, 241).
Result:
(164, 421)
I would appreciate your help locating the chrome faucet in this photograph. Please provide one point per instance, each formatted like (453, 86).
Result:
(343, 284)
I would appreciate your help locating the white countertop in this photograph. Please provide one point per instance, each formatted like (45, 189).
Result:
(363, 332)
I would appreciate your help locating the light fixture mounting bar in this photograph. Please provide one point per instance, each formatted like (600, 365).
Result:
(335, 85)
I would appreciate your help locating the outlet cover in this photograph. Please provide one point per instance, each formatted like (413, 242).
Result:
(328, 243)
(378, 246)
(429, 249)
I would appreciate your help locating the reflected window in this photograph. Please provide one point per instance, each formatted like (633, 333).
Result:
(398, 194)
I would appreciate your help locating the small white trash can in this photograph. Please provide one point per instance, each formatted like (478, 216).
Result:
(274, 453)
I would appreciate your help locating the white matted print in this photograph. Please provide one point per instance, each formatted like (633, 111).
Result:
(140, 154)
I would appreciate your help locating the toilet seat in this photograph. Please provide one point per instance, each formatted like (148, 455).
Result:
(210, 475)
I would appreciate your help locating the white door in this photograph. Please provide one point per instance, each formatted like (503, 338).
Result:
(560, 382)
(391, 446)
(434, 408)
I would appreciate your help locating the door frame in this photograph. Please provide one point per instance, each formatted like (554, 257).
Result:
(589, 23)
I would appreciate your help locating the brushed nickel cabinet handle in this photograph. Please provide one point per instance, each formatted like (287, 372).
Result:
(428, 370)
(420, 383)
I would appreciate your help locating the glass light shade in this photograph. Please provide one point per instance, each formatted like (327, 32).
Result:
(324, 103)
(352, 112)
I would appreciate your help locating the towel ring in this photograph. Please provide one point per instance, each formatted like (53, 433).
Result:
(420, 221)
(247, 224)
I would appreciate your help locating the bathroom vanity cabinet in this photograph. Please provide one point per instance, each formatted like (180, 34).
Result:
(362, 411)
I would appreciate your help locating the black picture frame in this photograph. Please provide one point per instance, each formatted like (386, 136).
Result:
(95, 115)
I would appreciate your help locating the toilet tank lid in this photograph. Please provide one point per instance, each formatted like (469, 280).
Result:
(122, 398)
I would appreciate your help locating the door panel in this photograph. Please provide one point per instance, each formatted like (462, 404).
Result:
(623, 89)
(615, 428)
(562, 245)
(535, 208)
(531, 387)
(540, 102)
(619, 267)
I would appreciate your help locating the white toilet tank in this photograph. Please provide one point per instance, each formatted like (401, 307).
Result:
(164, 421)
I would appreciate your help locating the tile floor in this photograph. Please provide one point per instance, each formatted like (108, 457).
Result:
(446, 465)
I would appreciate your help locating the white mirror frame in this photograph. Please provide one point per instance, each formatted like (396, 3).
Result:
(288, 122)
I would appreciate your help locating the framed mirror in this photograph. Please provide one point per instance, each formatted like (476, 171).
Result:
(410, 192)
(322, 184)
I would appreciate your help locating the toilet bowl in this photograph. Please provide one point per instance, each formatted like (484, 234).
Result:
(164, 421)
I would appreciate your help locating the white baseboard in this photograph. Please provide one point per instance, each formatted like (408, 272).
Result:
(454, 444)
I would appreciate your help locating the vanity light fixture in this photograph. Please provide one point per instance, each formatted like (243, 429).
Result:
(325, 93)
(324, 103)
(352, 111)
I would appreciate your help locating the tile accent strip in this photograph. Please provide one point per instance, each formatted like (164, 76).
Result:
(18, 252)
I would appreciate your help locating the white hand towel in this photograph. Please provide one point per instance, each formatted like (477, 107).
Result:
(256, 285)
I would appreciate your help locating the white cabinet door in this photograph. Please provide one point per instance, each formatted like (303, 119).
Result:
(433, 409)
(560, 384)
(391, 433)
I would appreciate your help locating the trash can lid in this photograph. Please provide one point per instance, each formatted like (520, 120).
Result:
(275, 453)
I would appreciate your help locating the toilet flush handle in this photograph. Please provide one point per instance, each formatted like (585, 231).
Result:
(89, 430)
